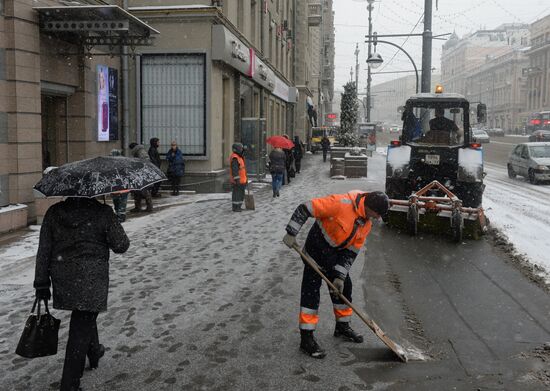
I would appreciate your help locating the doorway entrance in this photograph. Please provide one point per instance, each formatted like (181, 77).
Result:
(54, 131)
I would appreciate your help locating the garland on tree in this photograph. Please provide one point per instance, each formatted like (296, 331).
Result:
(348, 116)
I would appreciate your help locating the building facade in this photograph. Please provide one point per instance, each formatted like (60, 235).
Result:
(460, 56)
(54, 105)
(501, 84)
(205, 73)
(220, 72)
(538, 71)
(387, 97)
(321, 53)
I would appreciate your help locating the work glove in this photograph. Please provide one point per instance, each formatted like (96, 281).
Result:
(43, 294)
(339, 285)
(289, 240)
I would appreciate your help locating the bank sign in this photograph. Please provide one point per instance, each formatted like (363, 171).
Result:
(107, 103)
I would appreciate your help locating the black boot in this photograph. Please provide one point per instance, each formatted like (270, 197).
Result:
(344, 330)
(309, 345)
(95, 356)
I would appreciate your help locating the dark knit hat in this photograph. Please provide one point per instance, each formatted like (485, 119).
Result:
(378, 201)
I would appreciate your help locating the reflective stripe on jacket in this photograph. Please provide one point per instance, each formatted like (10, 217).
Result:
(338, 216)
(240, 177)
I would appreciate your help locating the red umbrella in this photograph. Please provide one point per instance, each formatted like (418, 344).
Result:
(280, 142)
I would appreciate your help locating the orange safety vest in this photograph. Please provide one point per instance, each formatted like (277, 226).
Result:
(338, 216)
(242, 169)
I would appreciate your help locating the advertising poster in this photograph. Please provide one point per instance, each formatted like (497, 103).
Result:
(113, 104)
(102, 103)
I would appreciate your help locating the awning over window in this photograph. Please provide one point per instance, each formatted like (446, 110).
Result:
(95, 25)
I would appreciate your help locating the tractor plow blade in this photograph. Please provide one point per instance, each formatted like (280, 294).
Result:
(437, 215)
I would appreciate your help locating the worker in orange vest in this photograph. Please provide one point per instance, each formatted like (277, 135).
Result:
(343, 221)
(237, 176)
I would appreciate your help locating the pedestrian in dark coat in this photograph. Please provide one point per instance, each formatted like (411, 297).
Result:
(176, 166)
(290, 171)
(154, 156)
(73, 256)
(138, 151)
(298, 154)
(277, 167)
(325, 145)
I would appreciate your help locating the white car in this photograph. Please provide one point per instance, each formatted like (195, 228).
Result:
(480, 136)
(530, 160)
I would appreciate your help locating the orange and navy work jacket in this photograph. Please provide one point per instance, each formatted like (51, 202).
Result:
(339, 232)
(237, 172)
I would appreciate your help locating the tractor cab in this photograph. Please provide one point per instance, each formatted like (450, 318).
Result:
(436, 144)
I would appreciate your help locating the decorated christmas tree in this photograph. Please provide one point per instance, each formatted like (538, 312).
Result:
(348, 116)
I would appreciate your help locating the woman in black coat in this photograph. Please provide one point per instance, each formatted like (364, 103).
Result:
(73, 256)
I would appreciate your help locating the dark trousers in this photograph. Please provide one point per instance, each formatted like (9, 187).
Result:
(298, 165)
(310, 293)
(83, 340)
(119, 202)
(175, 182)
(155, 189)
(237, 196)
(143, 194)
(325, 155)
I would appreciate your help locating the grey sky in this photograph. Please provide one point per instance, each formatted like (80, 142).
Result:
(400, 16)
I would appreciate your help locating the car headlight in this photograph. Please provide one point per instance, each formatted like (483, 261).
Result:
(543, 168)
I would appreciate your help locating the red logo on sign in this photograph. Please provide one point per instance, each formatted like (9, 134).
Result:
(331, 116)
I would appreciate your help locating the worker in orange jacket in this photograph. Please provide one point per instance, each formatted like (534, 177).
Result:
(343, 221)
(237, 176)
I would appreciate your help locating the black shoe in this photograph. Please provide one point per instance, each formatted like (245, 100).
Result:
(94, 358)
(237, 210)
(344, 330)
(309, 345)
(278, 194)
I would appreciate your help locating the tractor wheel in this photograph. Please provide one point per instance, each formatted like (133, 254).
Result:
(457, 226)
(511, 172)
(412, 220)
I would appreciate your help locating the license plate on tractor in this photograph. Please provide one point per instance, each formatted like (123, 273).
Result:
(432, 159)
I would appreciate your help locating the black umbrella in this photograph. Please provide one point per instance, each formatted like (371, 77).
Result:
(99, 176)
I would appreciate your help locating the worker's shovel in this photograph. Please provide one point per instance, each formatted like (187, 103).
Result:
(398, 350)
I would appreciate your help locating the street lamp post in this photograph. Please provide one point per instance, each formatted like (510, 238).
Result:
(376, 60)
(369, 52)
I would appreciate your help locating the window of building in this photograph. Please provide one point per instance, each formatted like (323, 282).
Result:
(173, 101)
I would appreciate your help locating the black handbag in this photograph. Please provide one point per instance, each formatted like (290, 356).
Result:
(40, 334)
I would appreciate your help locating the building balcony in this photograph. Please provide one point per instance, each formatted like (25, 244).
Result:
(315, 14)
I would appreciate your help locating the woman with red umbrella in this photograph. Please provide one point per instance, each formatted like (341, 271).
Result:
(284, 143)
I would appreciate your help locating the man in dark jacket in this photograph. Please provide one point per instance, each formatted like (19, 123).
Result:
(277, 167)
(342, 223)
(154, 156)
(73, 256)
(325, 145)
(298, 152)
(138, 151)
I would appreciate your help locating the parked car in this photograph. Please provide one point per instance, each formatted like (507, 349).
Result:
(495, 132)
(531, 161)
(540, 135)
(480, 136)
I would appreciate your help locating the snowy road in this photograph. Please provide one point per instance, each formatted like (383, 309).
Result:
(207, 300)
